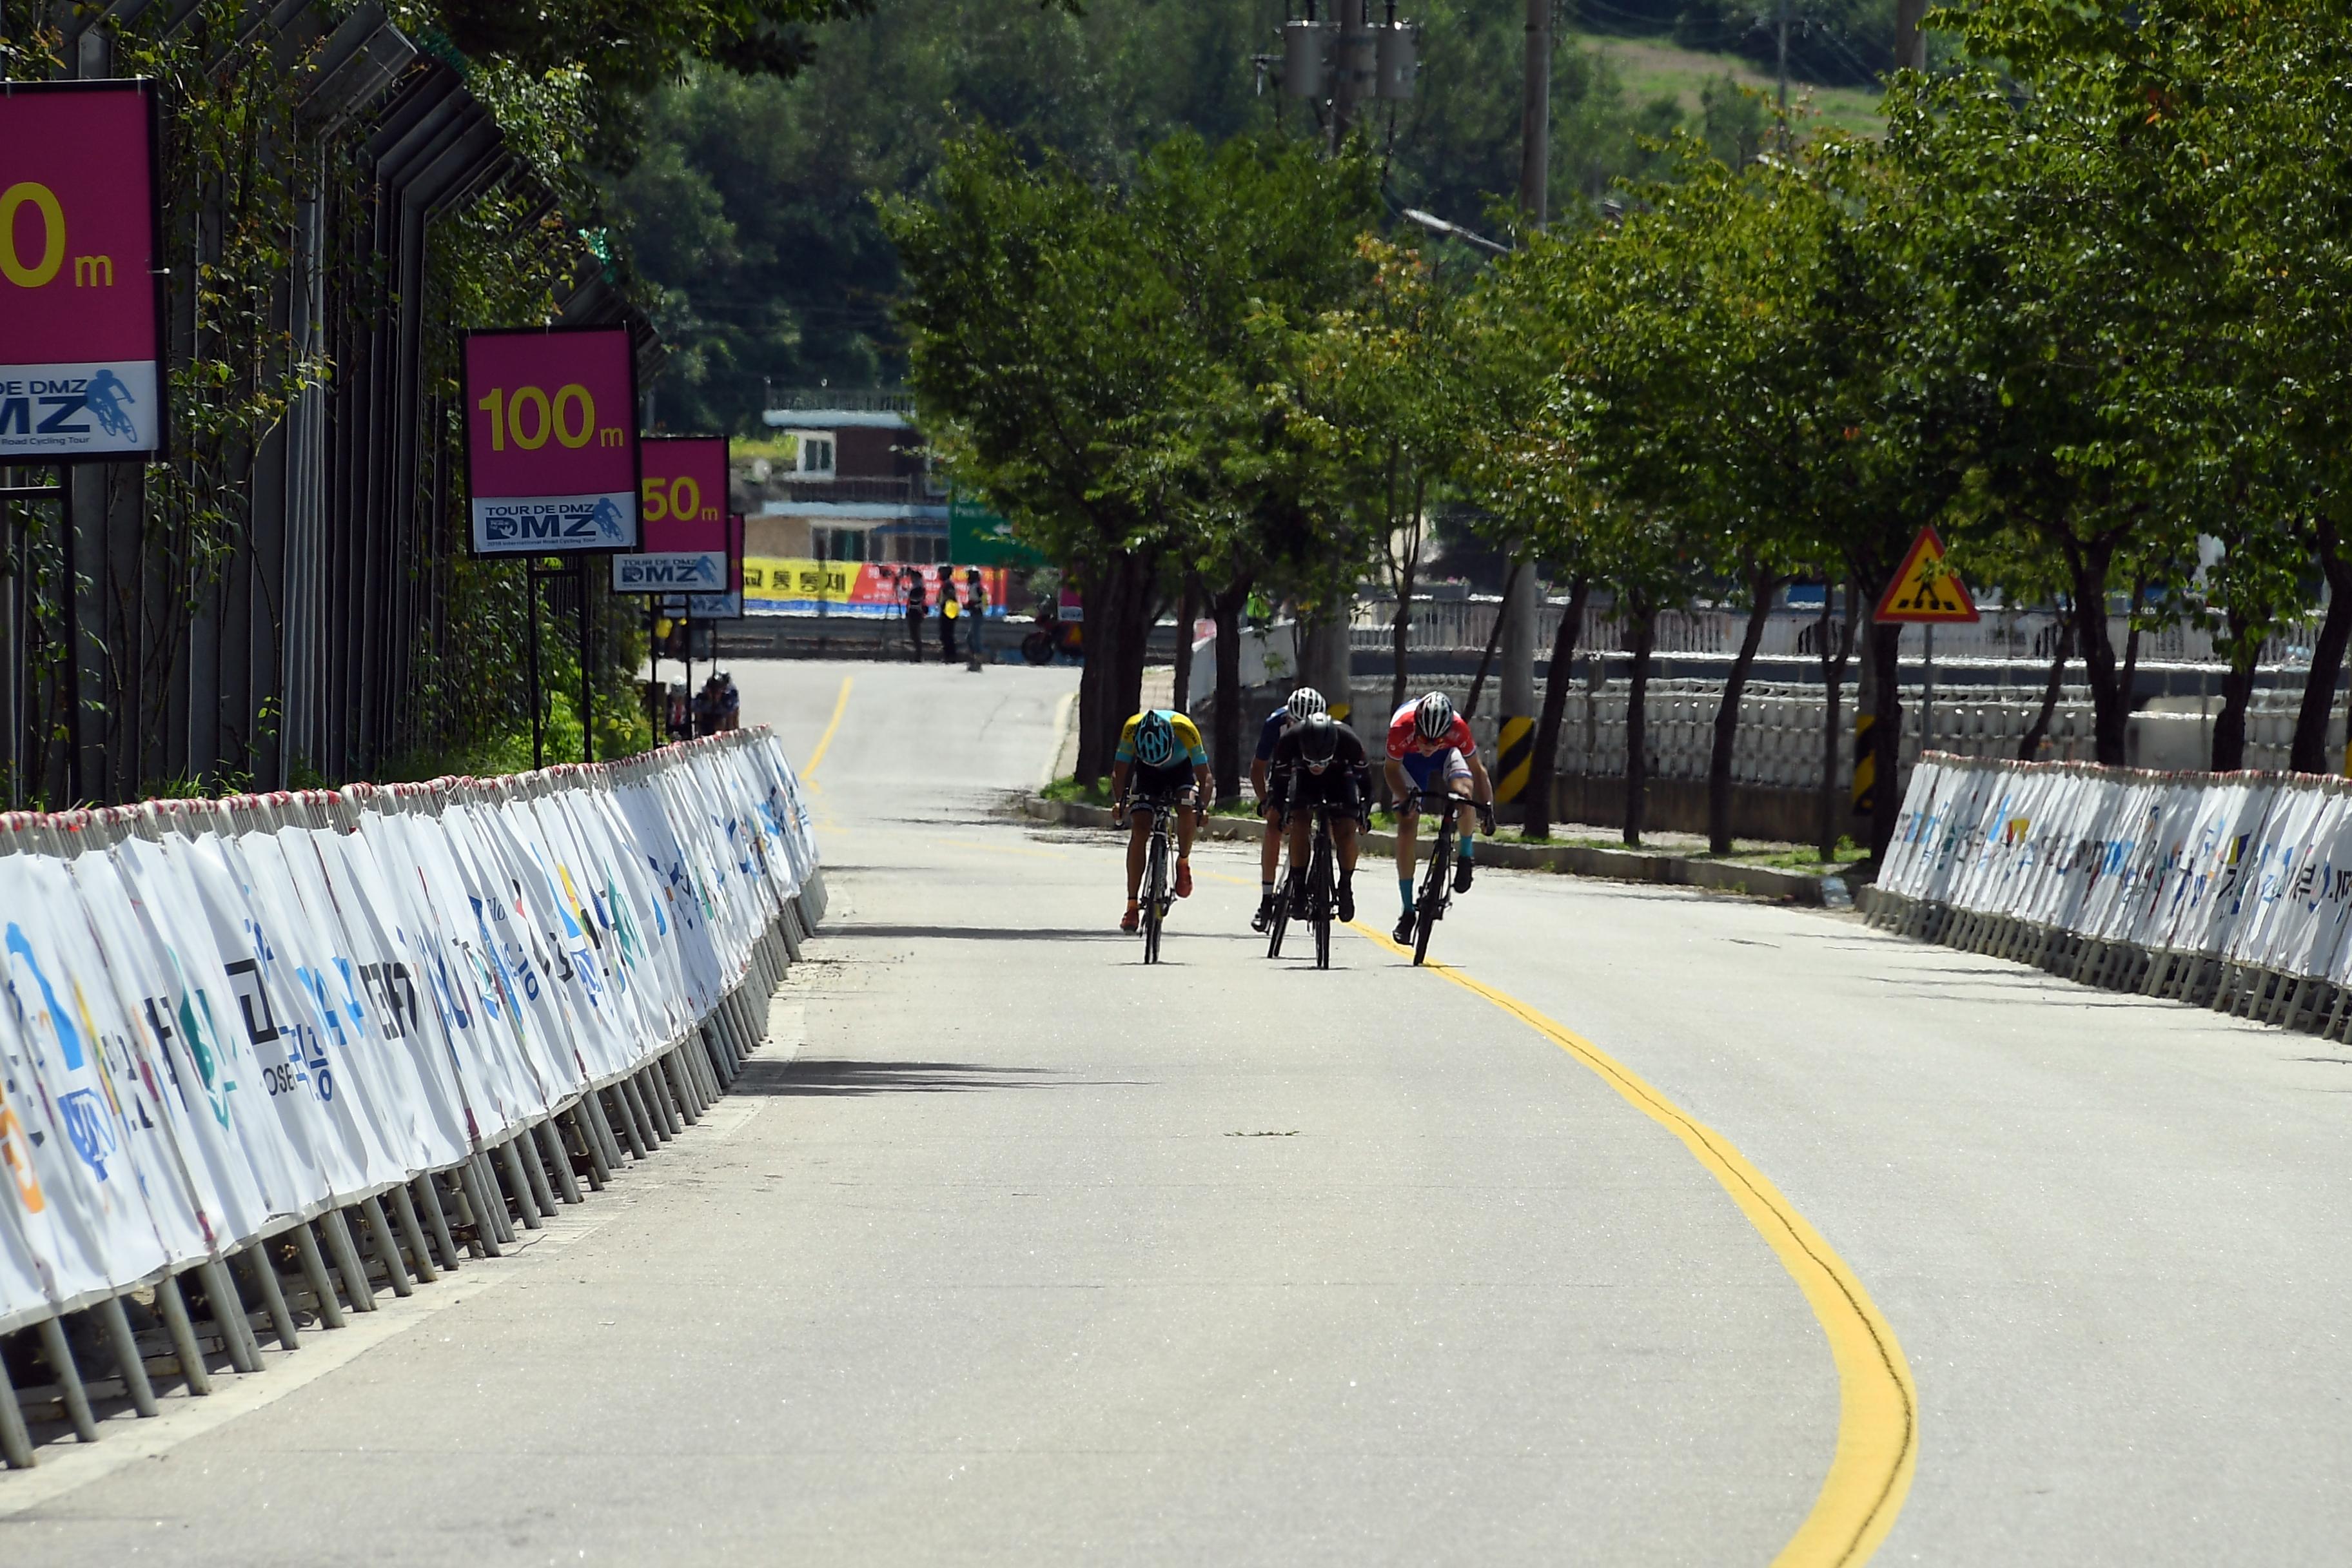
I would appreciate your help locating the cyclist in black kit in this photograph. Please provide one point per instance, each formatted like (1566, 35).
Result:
(1322, 761)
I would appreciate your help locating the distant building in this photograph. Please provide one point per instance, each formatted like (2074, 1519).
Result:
(852, 486)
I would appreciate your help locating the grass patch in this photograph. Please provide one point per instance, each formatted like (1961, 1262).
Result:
(1658, 67)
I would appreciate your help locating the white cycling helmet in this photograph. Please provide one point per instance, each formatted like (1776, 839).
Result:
(1433, 717)
(1305, 703)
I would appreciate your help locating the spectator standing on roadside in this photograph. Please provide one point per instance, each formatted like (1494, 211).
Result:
(975, 609)
(914, 606)
(951, 612)
(730, 704)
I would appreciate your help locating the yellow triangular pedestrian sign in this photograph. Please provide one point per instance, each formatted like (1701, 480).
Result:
(1925, 589)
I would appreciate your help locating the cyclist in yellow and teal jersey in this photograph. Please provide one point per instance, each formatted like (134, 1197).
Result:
(1160, 752)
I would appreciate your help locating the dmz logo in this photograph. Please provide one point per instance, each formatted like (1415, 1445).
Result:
(514, 522)
(650, 572)
(57, 406)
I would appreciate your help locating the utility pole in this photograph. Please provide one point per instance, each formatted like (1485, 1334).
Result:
(1910, 43)
(1345, 61)
(1784, 61)
(1514, 739)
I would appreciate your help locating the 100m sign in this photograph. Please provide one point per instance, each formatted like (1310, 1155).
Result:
(527, 417)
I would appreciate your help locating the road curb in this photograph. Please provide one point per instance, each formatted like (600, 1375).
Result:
(1569, 859)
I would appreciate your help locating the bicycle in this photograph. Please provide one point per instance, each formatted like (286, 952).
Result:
(1322, 883)
(1436, 893)
(1159, 894)
(1281, 922)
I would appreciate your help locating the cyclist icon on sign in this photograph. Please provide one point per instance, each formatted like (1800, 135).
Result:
(105, 398)
(607, 518)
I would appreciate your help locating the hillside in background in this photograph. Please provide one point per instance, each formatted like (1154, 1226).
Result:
(750, 211)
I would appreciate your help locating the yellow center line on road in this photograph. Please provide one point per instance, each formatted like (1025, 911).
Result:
(1878, 1420)
(840, 706)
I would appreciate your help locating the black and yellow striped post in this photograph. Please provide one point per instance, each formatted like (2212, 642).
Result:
(1515, 755)
(1865, 766)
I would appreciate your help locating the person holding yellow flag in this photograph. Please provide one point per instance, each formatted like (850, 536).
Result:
(951, 612)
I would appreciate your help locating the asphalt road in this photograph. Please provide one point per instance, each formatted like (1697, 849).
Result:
(1033, 1254)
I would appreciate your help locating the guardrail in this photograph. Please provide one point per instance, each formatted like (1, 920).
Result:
(247, 1034)
(2229, 890)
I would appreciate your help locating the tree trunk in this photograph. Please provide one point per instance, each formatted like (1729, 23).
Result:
(1486, 659)
(1727, 712)
(2110, 705)
(1401, 633)
(1886, 736)
(2029, 746)
(1226, 746)
(1543, 767)
(1830, 830)
(2131, 649)
(1094, 678)
(1187, 610)
(1133, 640)
(2310, 755)
(2236, 694)
(1637, 772)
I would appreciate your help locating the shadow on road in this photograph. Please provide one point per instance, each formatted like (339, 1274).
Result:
(829, 1076)
(1029, 934)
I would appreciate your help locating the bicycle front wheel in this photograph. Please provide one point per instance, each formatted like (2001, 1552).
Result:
(1281, 922)
(1430, 906)
(1319, 897)
(1155, 891)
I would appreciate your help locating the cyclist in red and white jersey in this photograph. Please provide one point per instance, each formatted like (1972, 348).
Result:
(1428, 740)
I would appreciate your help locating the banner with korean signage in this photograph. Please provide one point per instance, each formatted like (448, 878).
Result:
(782, 586)
(81, 311)
(550, 440)
(683, 496)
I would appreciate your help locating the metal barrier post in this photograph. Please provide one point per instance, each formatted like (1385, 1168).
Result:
(59, 1355)
(184, 1335)
(382, 1243)
(404, 1214)
(314, 1271)
(347, 1260)
(128, 1362)
(229, 1316)
(273, 1297)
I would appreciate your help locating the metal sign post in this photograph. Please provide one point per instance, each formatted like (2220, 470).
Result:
(587, 667)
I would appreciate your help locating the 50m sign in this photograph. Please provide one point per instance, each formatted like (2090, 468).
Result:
(80, 306)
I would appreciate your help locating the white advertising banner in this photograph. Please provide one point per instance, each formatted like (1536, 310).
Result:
(2254, 868)
(224, 1018)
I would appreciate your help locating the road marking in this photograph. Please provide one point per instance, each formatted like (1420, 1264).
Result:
(1052, 768)
(840, 706)
(1878, 1420)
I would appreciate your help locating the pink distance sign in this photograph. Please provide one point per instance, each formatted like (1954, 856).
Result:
(683, 497)
(551, 440)
(81, 372)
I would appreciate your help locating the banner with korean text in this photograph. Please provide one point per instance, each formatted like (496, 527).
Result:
(229, 1016)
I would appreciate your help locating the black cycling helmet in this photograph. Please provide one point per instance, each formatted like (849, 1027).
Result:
(1319, 741)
